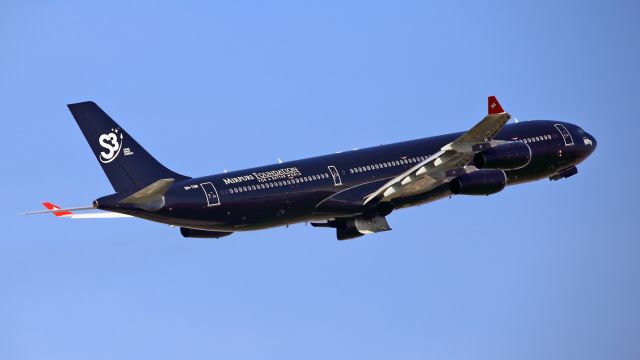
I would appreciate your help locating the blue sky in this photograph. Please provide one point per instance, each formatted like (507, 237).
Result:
(543, 270)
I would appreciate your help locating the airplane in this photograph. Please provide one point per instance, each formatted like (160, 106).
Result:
(352, 192)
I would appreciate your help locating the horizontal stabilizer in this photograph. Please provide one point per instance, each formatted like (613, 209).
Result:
(68, 212)
(100, 215)
(150, 198)
(57, 211)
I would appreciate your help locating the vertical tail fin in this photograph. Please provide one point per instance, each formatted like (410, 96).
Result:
(127, 164)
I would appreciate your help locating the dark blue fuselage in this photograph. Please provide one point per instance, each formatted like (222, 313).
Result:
(333, 186)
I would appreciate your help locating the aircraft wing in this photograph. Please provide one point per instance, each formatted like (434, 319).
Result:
(68, 213)
(450, 162)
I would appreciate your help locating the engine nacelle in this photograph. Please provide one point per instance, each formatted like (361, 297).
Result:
(479, 182)
(196, 233)
(511, 156)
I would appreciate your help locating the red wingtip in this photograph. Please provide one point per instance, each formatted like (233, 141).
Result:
(494, 106)
(51, 206)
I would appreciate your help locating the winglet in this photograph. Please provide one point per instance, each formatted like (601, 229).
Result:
(51, 206)
(494, 106)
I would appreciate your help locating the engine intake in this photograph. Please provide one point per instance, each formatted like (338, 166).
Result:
(511, 156)
(479, 182)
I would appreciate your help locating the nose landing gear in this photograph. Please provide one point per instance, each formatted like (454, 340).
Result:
(564, 173)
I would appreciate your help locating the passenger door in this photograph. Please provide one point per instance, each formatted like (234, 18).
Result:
(211, 194)
(566, 135)
(335, 175)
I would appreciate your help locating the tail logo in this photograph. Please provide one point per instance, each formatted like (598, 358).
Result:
(112, 144)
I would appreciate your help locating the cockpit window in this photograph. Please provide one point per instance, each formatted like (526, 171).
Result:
(581, 132)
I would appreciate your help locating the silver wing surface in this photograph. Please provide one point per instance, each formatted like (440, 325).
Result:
(450, 162)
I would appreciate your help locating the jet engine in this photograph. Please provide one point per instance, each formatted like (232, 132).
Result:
(479, 182)
(196, 233)
(513, 155)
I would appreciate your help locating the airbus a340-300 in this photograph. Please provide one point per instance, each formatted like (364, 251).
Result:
(352, 192)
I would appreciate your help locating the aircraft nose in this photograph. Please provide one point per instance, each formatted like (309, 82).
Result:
(594, 141)
(590, 144)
